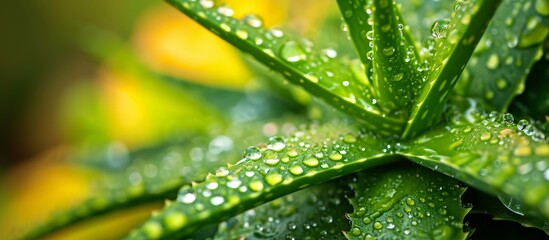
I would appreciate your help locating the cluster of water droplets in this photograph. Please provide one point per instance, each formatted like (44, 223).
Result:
(313, 213)
(384, 207)
(499, 150)
(308, 156)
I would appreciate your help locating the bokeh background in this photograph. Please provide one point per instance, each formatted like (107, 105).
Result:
(85, 75)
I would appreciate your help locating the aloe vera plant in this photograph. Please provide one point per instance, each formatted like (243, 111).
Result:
(419, 119)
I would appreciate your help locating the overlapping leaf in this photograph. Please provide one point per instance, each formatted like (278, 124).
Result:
(317, 71)
(157, 173)
(492, 153)
(506, 53)
(385, 46)
(282, 166)
(317, 212)
(456, 43)
(406, 202)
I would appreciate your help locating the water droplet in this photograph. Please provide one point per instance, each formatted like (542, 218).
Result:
(388, 51)
(485, 136)
(276, 143)
(522, 124)
(293, 52)
(242, 34)
(212, 185)
(222, 172)
(493, 61)
(370, 55)
(253, 153)
(225, 10)
(439, 28)
(390, 226)
(186, 197)
(311, 161)
(153, 229)
(292, 226)
(253, 20)
(270, 157)
(207, 3)
(256, 186)
(217, 200)
(410, 201)
(378, 225)
(273, 179)
(296, 169)
(235, 183)
(507, 117)
(370, 35)
(276, 32)
(175, 221)
(398, 77)
(329, 52)
(335, 156)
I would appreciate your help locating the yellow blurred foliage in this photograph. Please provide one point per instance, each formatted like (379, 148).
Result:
(39, 187)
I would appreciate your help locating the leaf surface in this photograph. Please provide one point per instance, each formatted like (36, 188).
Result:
(500, 64)
(318, 72)
(317, 212)
(406, 202)
(492, 153)
(268, 171)
(457, 42)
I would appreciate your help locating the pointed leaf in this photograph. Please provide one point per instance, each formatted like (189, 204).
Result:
(156, 173)
(406, 202)
(317, 212)
(317, 72)
(512, 44)
(395, 60)
(491, 153)
(307, 157)
(459, 39)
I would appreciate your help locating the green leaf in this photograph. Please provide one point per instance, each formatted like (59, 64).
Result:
(268, 171)
(500, 64)
(425, 12)
(395, 58)
(406, 202)
(491, 153)
(156, 173)
(385, 46)
(317, 212)
(318, 72)
(458, 40)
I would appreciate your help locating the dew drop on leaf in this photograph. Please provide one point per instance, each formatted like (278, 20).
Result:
(253, 20)
(439, 28)
(253, 153)
(292, 52)
(276, 143)
(207, 3)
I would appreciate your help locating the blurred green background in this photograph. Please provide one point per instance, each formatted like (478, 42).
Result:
(85, 77)
(41, 59)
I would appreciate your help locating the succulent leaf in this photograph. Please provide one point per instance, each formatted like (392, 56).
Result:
(282, 166)
(492, 153)
(457, 42)
(318, 72)
(500, 64)
(317, 212)
(406, 202)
